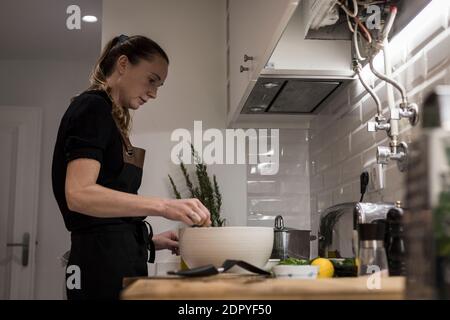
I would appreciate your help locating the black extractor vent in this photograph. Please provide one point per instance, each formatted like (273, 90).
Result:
(290, 95)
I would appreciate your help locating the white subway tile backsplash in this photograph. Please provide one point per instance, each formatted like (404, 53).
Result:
(332, 177)
(427, 32)
(380, 137)
(319, 122)
(352, 168)
(294, 153)
(349, 122)
(344, 194)
(323, 158)
(415, 72)
(341, 149)
(361, 140)
(278, 204)
(287, 192)
(394, 178)
(438, 55)
(316, 182)
(338, 103)
(324, 200)
(264, 186)
(368, 109)
(356, 91)
(294, 186)
(369, 156)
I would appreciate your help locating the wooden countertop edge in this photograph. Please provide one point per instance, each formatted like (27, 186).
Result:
(222, 289)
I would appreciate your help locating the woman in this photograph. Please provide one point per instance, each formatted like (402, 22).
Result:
(96, 173)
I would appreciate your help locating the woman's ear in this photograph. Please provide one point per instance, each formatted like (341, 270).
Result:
(122, 64)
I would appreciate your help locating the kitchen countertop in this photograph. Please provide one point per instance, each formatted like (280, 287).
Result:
(249, 287)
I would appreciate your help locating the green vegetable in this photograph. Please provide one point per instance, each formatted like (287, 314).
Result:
(343, 262)
(294, 261)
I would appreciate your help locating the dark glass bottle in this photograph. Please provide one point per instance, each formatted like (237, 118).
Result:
(395, 245)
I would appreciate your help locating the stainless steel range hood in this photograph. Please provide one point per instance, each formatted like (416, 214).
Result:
(301, 75)
(291, 95)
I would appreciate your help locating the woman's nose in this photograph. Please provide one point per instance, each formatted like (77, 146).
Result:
(152, 93)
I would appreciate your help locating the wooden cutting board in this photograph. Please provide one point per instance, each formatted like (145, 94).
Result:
(235, 286)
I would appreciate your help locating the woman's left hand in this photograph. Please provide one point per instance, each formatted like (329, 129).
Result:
(167, 240)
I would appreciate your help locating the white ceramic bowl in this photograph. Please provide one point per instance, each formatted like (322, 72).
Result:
(296, 272)
(202, 246)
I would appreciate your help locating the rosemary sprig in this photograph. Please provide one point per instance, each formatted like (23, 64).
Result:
(208, 193)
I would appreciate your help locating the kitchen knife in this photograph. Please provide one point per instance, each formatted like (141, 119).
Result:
(209, 270)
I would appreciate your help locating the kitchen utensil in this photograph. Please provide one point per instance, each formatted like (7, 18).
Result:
(209, 270)
(289, 242)
(372, 254)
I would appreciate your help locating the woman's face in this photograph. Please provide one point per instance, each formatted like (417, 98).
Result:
(140, 82)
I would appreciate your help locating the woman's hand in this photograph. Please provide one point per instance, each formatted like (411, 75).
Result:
(189, 211)
(167, 240)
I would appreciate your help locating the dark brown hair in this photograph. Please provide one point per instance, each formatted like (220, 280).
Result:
(135, 48)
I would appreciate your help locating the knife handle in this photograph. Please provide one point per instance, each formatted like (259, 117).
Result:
(203, 271)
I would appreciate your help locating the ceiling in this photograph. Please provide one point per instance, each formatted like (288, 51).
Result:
(36, 29)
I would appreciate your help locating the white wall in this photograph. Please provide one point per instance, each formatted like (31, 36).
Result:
(48, 85)
(340, 146)
(193, 35)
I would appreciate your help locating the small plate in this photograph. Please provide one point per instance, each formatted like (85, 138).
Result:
(295, 272)
(271, 263)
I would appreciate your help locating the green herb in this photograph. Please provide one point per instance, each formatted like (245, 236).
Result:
(344, 262)
(294, 261)
(207, 192)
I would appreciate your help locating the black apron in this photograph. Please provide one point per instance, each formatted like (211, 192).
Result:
(106, 254)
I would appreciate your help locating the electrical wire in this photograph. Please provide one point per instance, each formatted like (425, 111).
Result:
(347, 10)
(356, 44)
(363, 3)
(349, 23)
(366, 32)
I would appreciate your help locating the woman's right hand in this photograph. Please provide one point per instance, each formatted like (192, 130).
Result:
(189, 211)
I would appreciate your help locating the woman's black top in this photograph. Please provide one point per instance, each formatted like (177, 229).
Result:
(88, 130)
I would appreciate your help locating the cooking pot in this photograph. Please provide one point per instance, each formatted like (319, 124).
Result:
(289, 242)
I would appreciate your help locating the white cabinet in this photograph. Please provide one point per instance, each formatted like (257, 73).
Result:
(254, 28)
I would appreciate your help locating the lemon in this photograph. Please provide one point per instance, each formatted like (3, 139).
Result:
(183, 265)
(326, 269)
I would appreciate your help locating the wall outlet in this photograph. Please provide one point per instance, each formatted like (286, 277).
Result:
(376, 177)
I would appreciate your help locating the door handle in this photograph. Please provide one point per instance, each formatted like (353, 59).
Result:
(25, 244)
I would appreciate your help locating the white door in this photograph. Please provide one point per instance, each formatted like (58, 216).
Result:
(20, 141)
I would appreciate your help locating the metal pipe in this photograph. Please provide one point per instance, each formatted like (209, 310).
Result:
(390, 22)
(371, 92)
(394, 122)
(397, 85)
